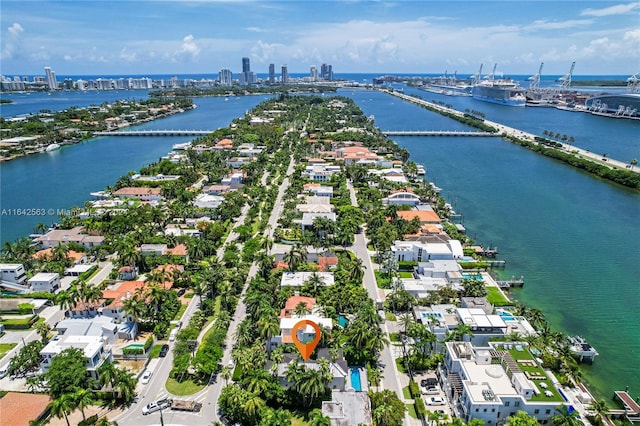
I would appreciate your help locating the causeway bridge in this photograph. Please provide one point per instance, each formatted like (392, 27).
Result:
(155, 133)
(438, 133)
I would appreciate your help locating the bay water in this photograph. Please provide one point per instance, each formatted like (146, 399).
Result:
(576, 239)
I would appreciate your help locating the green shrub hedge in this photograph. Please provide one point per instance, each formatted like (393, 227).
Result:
(414, 389)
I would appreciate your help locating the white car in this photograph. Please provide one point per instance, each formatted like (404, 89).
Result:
(146, 377)
(435, 400)
(152, 407)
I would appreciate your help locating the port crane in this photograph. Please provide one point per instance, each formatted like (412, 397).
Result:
(535, 79)
(493, 72)
(566, 79)
(476, 78)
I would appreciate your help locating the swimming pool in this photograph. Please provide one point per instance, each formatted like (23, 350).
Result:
(506, 315)
(472, 276)
(437, 315)
(355, 380)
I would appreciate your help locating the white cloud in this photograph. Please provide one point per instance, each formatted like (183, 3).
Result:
(127, 55)
(189, 50)
(256, 29)
(12, 41)
(558, 25)
(619, 9)
(265, 52)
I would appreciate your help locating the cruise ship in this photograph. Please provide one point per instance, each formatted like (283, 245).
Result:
(499, 91)
(502, 92)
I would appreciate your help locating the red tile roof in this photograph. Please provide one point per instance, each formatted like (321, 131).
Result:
(425, 216)
(137, 190)
(18, 409)
(325, 262)
(293, 301)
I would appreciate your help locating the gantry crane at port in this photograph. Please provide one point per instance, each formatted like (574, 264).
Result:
(476, 78)
(535, 79)
(566, 79)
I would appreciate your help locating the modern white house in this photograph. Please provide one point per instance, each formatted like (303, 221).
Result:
(139, 192)
(13, 273)
(309, 218)
(339, 369)
(298, 279)
(423, 252)
(95, 349)
(319, 190)
(402, 197)
(206, 201)
(44, 281)
(490, 384)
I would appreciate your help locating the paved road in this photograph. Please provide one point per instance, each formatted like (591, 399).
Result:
(391, 377)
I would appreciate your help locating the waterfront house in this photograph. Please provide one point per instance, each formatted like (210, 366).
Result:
(76, 257)
(141, 193)
(424, 216)
(401, 197)
(223, 144)
(496, 381)
(414, 251)
(44, 281)
(64, 236)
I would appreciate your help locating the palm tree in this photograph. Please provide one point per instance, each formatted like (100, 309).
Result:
(225, 374)
(268, 326)
(301, 309)
(62, 406)
(565, 418)
(316, 418)
(600, 409)
(66, 299)
(253, 405)
(108, 376)
(82, 398)
(313, 285)
(135, 306)
(43, 330)
(311, 385)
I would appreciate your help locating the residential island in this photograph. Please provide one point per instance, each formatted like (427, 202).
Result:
(172, 295)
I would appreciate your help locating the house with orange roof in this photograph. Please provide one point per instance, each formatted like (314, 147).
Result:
(178, 250)
(223, 144)
(290, 305)
(279, 265)
(45, 254)
(327, 262)
(424, 216)
(21, 409)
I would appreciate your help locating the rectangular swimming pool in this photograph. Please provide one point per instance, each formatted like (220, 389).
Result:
(355, 380)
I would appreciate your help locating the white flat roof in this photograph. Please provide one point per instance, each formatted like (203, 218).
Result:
(297, 279)
(44, 276)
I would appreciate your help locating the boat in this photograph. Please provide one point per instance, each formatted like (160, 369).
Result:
(181, 146)
(421, 170)
(502, 91)
(52, 147)
(581, 349)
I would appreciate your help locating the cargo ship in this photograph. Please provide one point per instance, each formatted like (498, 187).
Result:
(499, 91)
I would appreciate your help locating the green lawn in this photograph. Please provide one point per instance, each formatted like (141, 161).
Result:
(298, 421)
(155, 351)
(496, 298)
(400, 365)
(6, 347)
(390, 316)
(185, 388)
(383, 282)
(183, 307)
(406, 275)
(406, 392)
(394, 337)
(412, 411)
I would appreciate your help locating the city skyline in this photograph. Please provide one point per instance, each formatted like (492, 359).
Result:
(75, 38)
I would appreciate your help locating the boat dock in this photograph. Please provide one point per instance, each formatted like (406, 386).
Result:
(513, 282)
(631, 408)
(438, 133)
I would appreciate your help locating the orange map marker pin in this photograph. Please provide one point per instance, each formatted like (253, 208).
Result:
(305, 348)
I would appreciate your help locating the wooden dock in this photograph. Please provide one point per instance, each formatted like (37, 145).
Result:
(513, 282)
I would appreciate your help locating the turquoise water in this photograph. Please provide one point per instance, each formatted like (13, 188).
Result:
(472, 276)
(355, 380)
(575, 238)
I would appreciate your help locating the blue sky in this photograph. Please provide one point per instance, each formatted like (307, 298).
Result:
(181, 37)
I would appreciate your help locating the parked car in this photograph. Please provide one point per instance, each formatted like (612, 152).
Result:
(3, 372)
(429, 390)
(146, 377)
(435, 400)
(164, 350)
(152, 407)
(181, 292)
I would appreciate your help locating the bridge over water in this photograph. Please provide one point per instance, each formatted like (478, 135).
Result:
(155, 133)
(438, 133)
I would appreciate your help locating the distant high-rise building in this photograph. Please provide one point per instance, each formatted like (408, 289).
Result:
(226, 77)
(285, 75)
(247, 77)
(272, 73)
(326, 72)
(51, 79)
(313, 73)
